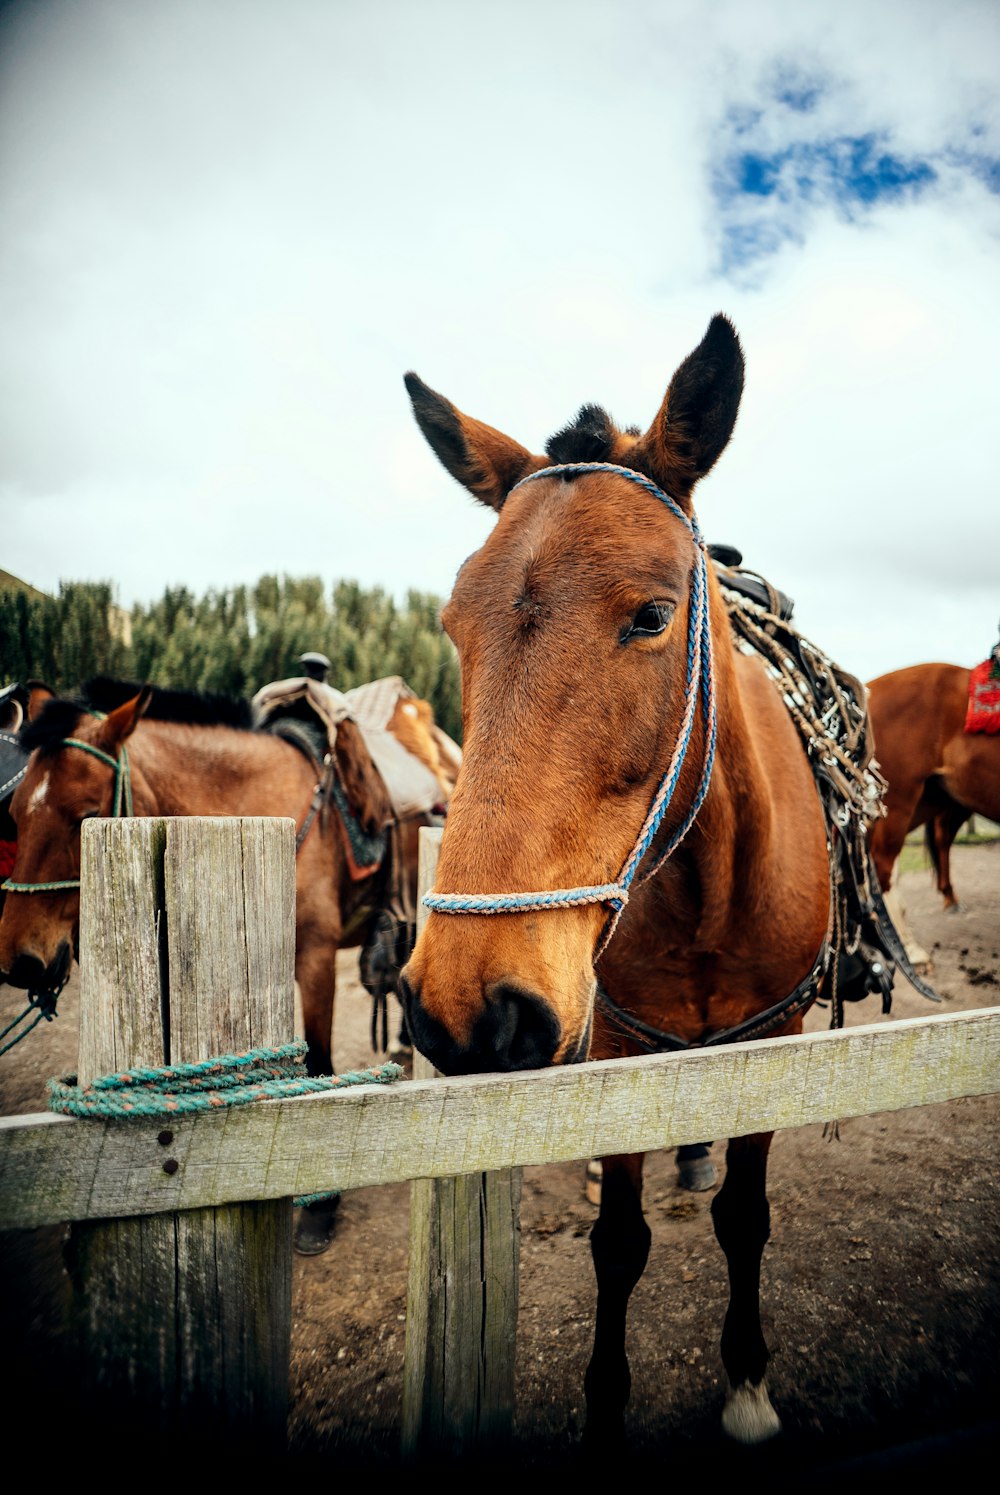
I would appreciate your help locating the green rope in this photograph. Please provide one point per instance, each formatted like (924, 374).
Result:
(208, 1085)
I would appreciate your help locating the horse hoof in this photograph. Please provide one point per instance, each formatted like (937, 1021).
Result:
(748, 1416)
(697, 1174)
(592, 1185)
(314, 1226)
(954, 908)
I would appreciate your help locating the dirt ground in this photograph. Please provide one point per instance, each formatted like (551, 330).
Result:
(881, 1288)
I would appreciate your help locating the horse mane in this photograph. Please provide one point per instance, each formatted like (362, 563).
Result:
(59, 717)
(190, 707)
(590, 437)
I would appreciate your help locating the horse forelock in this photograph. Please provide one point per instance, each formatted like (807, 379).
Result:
(591, 436)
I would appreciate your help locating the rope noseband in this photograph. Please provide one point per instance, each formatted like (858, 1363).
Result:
(700, 681)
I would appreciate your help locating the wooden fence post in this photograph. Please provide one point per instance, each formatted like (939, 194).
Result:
(187, 940)
(461, 1320)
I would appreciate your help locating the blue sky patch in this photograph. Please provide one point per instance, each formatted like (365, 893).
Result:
(985, 169)
(797, 91)
(783, 154)
(848, 170)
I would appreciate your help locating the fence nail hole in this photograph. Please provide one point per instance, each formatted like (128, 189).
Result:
(165, 1138)
(171, 1165)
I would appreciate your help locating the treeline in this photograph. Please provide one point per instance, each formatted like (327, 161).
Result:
(232, 642)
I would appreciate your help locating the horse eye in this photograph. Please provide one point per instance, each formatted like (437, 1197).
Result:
(651, 619)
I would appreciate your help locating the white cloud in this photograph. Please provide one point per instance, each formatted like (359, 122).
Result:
(226, 231)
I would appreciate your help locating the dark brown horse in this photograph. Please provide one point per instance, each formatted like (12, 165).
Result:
(576, 624)
(938, 774)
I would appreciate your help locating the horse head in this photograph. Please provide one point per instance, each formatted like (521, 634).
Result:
(572, 624)
(77, 768)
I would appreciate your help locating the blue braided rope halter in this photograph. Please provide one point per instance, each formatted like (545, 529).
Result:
(700, 682)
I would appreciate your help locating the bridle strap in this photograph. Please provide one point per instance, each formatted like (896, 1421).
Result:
(660, 1040)
(700, 682)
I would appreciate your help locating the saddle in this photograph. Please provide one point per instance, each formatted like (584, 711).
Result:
(829, 709)
(307, 711)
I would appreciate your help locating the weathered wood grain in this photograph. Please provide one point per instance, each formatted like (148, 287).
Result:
(122, 1020)
(186, 1316)
(53, 1168)
(462, 1291)
(458, 1389)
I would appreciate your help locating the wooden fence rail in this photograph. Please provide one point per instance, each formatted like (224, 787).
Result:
(164, 901)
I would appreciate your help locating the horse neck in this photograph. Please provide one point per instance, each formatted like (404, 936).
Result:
(196, 770)
(734, 850)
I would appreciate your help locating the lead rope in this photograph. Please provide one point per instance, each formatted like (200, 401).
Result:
(700, 680)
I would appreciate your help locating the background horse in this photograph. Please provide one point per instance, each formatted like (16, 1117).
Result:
(938, 774)
(600, 685)
(191, 755)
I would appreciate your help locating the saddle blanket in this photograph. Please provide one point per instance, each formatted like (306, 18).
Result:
(413, 787)
(983, 712)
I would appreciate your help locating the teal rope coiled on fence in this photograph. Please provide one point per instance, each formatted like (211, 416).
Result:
(229, 1080)
(208, 1085)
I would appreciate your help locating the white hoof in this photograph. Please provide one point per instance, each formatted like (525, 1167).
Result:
(748, 1416)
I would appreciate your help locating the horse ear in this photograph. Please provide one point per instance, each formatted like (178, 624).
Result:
(363, 784)
(122, 722)
(39, 695)
(698, 413)
(482, 459)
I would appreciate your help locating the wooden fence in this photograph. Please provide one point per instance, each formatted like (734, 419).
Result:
(181, 1237)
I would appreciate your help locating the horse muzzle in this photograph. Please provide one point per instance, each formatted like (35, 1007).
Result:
(515, 1029)
(31, 973)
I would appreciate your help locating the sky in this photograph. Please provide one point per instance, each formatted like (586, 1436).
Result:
(228, 227)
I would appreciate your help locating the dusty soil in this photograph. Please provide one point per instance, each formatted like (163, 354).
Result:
(881, 1288)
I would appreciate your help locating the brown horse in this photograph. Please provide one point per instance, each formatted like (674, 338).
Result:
(576, 623)
(186, 755)
(938, 774)
(190, 755)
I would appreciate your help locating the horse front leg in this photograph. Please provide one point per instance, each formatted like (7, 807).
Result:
(742, 1220)
(316, 974)
(619, 1245)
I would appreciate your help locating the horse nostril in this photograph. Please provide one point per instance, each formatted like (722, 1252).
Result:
(31, 973)
(520, 1028)
(28, 972)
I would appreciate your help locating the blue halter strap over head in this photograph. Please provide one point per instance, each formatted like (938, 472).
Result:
(699, 682)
